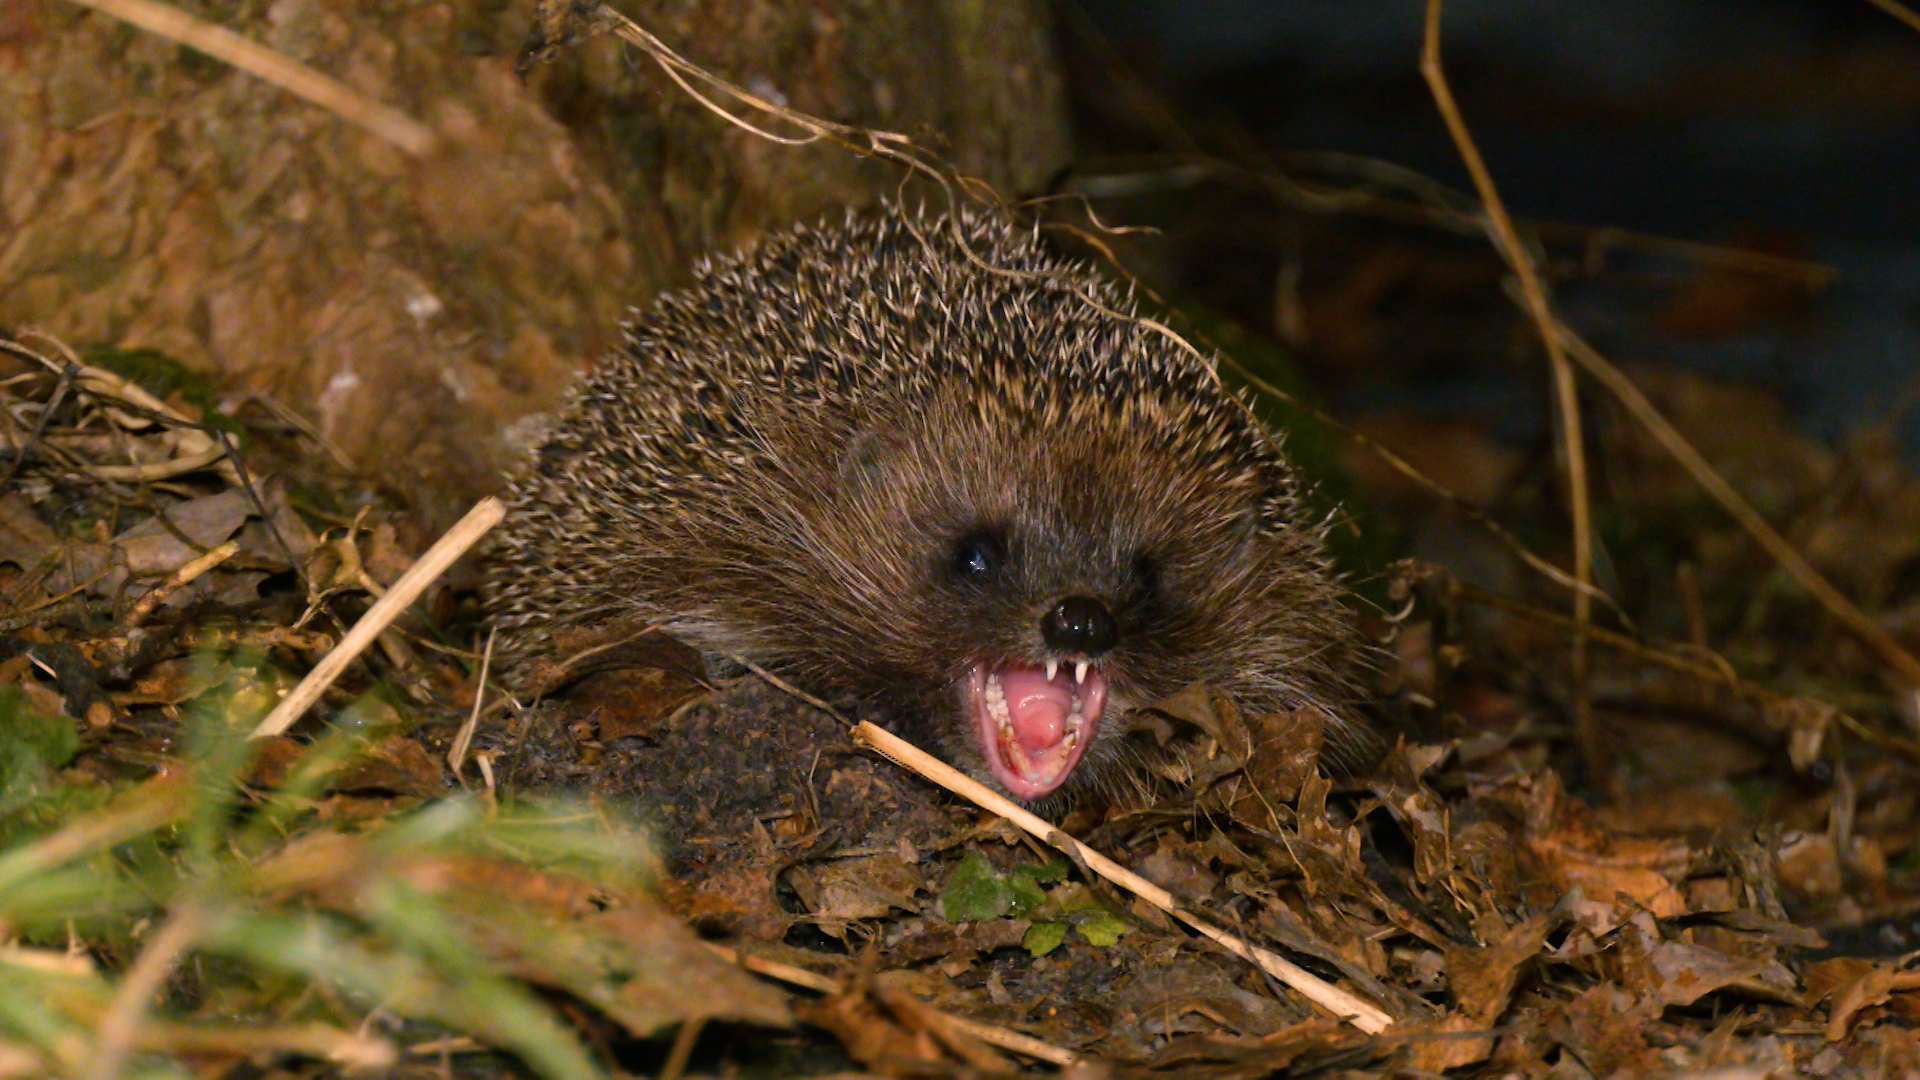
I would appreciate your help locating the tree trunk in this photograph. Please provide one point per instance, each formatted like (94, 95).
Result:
(413, 308)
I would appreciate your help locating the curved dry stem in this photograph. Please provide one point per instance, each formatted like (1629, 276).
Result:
(465, 533)
(1433, 487)
(116, 1034)
(1899, 11)
(1341, 1003)
(263, 63)
(1870, 633)
(1566, 394)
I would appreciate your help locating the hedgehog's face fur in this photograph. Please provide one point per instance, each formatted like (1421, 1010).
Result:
(1017, 576)
(962, 483)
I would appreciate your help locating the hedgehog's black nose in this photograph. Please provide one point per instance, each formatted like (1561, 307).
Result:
(1079, 624)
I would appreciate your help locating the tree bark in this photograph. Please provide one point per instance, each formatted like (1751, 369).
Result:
(412, 309)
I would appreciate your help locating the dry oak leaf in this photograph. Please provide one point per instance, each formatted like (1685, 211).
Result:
(1874, 986)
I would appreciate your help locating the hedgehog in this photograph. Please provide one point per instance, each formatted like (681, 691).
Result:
(919, 461)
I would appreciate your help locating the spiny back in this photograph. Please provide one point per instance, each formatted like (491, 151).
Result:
(787, 459)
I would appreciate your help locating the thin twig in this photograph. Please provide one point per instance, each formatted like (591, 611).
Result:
(484, 516)
(567, 666)
(158, 470)
(866, 142)
(1566, 394)
(176, 581)
(457, 753)
(682, 1052)
(1004, 1038)
(951, 1033)
(41, 612)
(67, 373)
(1406, 468)
(1361, 1014)
(787, 688)
(246, 484)
(351, 1052)
(194, 448)
(116, 1033)
(1777, 709)
(263, 63)
(1870, 633)
(1898, 11)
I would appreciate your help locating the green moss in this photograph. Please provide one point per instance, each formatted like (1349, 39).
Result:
(34, 745)
(199, 65)
(163, 376)
(975, 891)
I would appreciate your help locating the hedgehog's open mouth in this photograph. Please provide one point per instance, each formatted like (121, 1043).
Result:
(1034, 722)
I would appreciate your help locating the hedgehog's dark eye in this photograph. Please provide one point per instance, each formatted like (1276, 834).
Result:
(977, 556)
(1146, 576)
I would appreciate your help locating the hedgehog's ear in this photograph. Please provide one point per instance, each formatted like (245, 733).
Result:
(863, 465)
(1257, 521)
(1247, 527)
(1271, 512)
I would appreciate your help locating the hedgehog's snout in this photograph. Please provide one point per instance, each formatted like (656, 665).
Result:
(1079, 625)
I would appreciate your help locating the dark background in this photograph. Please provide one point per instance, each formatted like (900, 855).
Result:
(1787, 126)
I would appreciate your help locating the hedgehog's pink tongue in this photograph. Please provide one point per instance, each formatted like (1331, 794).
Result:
(1037, 706)
(1032, 728)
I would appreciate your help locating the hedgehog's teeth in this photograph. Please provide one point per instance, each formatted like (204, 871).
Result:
(996, 696)
(1053, 668)
(1079, 673)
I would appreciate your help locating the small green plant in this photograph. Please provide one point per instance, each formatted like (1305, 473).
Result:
(232, 904)
(977, 891)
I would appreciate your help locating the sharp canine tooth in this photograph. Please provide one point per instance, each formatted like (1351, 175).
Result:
(1080, 672)
(1053, 666)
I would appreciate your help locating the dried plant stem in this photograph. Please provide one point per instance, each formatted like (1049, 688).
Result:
(66, 603)
(774, 969)
(1566, 393)
(462, 742)
(886, 145)
(351, 1052)
(947, 1029)
(1890, 651)
(1899, 11)
(682, 1052)
(21, 447)
(1780, 714)
(1426, 483)
(1361, 1014)
(161, 470)
(176, 581)
(484, 516)
(76, 965)
(263, 63)
(1001, 1037)
(1562, 341)
(127, 405)
(115, 1034)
